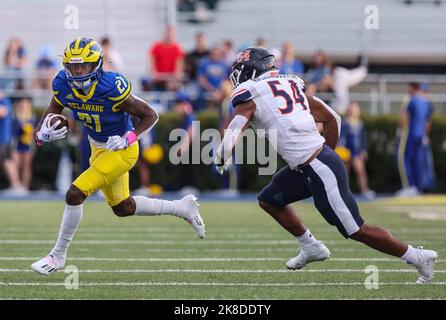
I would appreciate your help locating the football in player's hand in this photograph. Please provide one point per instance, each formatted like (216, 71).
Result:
(53, 118)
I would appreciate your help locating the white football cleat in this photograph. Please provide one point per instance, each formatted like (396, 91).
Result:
(192, 215)
(309, 253)
(425, 265)
(47, 265)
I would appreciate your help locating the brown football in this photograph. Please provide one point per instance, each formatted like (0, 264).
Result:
(57, 117)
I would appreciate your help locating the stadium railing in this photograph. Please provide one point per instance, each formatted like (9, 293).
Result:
(377, 93)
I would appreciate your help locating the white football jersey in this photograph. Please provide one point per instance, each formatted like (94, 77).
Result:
(281, 105)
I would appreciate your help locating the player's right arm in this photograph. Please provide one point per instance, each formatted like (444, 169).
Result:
(43, 132)
(53, 108)
(331, 121)
(240, 121)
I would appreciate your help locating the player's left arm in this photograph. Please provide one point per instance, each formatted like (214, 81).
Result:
(137, 108)
(142, 110)
(331, 121)
(240, 121)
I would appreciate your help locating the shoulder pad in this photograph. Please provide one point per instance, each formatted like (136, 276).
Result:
(120, 86)
(242, 93)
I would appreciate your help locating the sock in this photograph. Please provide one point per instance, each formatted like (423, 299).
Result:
(70, 221)
(154, 207)
(306, 239)
(411, 255)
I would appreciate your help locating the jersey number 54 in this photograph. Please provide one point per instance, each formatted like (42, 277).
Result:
(292, 100)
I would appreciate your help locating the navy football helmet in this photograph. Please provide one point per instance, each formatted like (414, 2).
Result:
(251, 63)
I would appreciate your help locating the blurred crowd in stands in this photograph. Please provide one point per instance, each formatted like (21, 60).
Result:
(199, 80)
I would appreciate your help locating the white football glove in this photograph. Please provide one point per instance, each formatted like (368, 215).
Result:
(115, 143)
(50, 133)
(221, 168)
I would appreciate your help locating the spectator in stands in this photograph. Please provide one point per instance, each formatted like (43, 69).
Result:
(428, 178)
(416, 123)
(5, 127)
(354, 138)
(46, 68)
(318, 77)
(211, 74)
(15, 60)
(289, 63)
(23, 154)
(277, 53)
(343, 79)
(261, 42)
(184, 110)
(166, 61)
(228, 52)
(194, 57)
(112, 59)
(6, 122)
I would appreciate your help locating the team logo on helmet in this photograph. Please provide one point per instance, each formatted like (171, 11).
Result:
(243, 56)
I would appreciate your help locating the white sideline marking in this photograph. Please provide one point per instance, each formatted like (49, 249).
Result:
(169, 232)
(222, 229)
(192, 242)
(229, 270)
(202, 259)
(224, 284)
(151, 259)
(219, 229)
(210, 298)
(288, 250)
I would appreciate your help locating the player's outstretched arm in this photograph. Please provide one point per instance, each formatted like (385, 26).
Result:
(331, 121)
(239, 122)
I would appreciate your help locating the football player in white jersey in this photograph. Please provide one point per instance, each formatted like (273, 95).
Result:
(267, 100)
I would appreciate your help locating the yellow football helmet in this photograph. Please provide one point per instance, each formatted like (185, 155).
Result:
(82, 60)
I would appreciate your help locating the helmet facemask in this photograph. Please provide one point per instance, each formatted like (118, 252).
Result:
(85, 81)
(235, 77)
(238, 75)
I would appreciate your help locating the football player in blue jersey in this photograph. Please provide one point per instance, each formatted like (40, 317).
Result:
(102, 102)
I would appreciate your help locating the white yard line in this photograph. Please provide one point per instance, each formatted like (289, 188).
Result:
(211, 298)
(192, 242)
(223, 284)
(200, 259)
(217, 229)
(288, 250)
(229, 271)
(248, 233)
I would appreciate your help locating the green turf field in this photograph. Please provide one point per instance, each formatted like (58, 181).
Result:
(242, 257)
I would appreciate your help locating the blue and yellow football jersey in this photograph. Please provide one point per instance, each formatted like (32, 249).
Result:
(99, 110)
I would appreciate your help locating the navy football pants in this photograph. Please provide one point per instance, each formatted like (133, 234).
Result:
(326, 180)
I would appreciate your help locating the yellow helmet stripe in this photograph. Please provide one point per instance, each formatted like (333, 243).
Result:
(87, 47)
(76, 46)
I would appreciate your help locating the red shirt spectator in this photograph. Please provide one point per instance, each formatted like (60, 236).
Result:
(165, 56)
(166, 61)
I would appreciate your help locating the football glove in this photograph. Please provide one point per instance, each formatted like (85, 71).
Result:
(220, 166)
(50, 133)
(115, 143)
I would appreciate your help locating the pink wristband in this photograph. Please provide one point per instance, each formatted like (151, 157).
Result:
(131, 137)
(38, 142)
